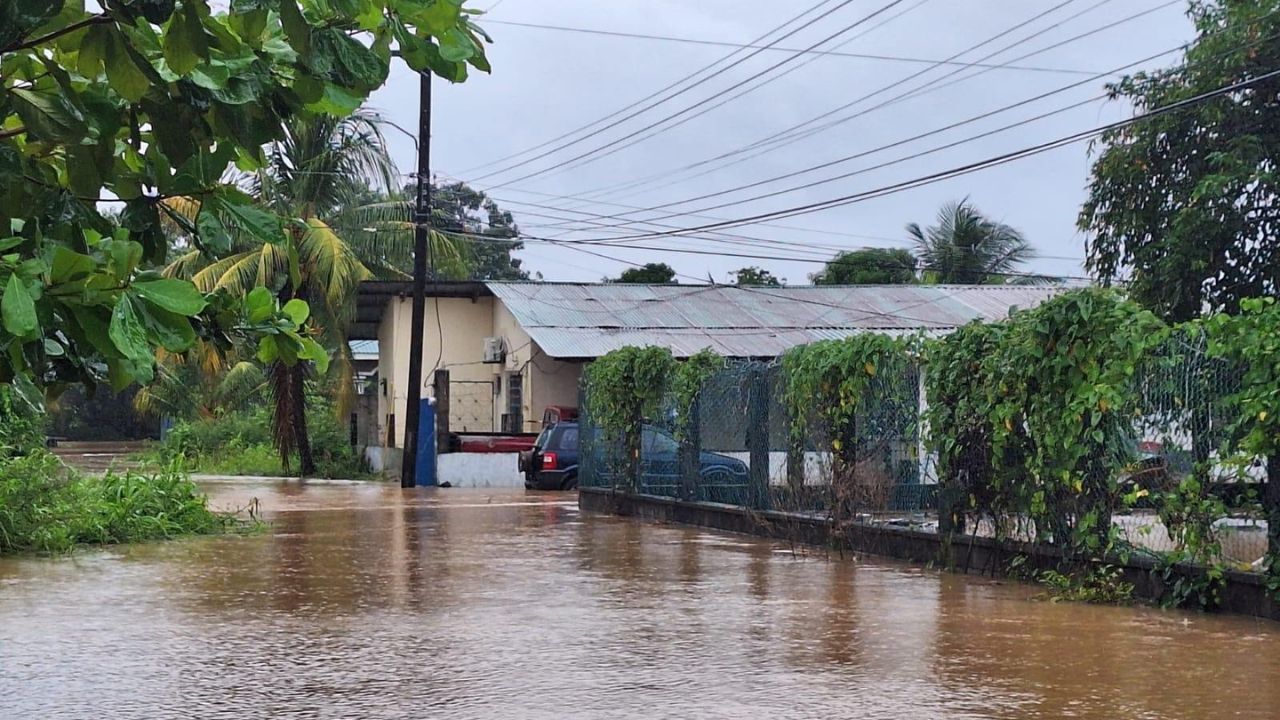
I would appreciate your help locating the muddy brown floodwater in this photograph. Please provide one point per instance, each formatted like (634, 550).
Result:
(365, 601)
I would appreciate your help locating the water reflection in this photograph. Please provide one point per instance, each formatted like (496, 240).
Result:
(367, 601)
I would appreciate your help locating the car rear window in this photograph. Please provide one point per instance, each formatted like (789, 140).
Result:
(568, 439)
(543, 437)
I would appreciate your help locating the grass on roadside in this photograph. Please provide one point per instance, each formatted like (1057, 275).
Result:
(46, 507)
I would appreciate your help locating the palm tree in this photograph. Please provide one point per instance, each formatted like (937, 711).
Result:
(967, 248)
(334, 180)
(187, 387)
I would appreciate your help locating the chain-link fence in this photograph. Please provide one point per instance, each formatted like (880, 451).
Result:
(741, 447)
(1161, 477)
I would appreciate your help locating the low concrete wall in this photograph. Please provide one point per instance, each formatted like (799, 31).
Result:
(479, 470)
(384, 460)
(817, 466)
(1244, 593)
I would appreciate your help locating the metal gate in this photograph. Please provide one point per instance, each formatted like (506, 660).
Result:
(471, 406)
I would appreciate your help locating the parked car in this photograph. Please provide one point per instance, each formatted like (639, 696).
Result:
(553, 462)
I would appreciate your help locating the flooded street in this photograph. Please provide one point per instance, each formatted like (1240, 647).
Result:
(363, 601)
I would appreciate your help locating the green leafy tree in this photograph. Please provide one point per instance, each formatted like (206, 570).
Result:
(757, 277)
(147, 102)
(1182, 205)
(870, 266)
(471, 237)
(967, 248)
(187, 391)
(648, 274)
(319, 174)
(482, 227)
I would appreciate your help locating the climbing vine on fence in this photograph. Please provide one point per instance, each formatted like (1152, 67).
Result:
(1052, 390)
(830, 378)
(1036, 421)
(633, 383)
(963, 368)
(626, 386)
(689, 377)
(1252, 338)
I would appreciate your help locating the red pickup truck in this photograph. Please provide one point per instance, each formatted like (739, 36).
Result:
(510, 442)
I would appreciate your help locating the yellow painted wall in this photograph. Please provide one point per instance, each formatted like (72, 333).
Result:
(465, 324)
(554, 382)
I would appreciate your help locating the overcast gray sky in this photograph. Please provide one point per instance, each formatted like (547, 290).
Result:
(548, 82)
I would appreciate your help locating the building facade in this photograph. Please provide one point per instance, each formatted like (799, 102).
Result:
(514, 349)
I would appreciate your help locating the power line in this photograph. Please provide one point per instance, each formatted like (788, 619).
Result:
(737, 239)
(647, 98)
(970, 167)
(555, 196)
(581, 244)
(862, 154)
(796, 132)
(898, 143)
(702, 102)
(820, 53)
(743, 88)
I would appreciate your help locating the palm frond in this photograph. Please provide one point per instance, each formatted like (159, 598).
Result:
(235, 273)
(243, 382)
(332, 270)
(966, 247)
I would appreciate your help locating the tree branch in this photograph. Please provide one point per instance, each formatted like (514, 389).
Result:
(10, 133)
(34, 42)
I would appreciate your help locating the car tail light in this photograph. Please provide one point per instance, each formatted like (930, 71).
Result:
(549, 461)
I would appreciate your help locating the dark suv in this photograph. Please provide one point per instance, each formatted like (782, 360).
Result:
(553, 462)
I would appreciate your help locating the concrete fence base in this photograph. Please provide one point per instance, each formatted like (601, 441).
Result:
(1242, 593)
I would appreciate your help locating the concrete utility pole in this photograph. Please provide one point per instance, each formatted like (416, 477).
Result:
(421, 244)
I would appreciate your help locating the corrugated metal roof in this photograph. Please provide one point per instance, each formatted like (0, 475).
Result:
(583, 321)
(364, 349)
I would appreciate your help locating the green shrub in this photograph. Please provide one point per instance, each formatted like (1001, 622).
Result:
(21, 429)
(1100, 585)
(240, 443)
(46, 507)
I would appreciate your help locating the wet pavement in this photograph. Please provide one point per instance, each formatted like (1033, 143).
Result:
(365, 601)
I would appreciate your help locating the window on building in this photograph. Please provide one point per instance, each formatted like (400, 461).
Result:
(514, 417)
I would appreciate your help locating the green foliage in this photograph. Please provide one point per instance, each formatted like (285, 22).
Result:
(1097, 584)
(755, 277)
(1179, 205)
(649, 274)
(22, 429)
(240, 443)
(1051, 393)
(870, 266)
(627, 386)
(1188, 513)
(45, 507)
(150, 103)
(1252, 339)
(830, 378)
(687, 381)
(967, 248)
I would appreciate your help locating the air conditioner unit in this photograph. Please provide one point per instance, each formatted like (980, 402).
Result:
(495, 350)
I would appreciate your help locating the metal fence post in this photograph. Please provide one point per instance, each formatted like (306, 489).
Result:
(441, 383)
(758, 435)
(691, 450)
